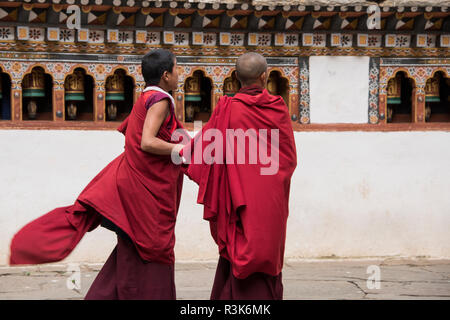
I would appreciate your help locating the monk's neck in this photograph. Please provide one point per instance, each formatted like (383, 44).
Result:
(161, 86)
(252, 90)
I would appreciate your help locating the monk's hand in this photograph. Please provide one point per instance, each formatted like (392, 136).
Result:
(176, 157)
(177, 148)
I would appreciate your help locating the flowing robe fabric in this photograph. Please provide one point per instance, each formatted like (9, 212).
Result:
(138, 192)
(247, 211)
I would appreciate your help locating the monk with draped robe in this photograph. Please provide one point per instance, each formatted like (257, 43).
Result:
(137, 195)
(243, 160)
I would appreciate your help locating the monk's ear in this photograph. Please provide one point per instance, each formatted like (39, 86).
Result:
(263, 77)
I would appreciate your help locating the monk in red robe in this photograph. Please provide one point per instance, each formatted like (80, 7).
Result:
(245, 192)
(137, 195)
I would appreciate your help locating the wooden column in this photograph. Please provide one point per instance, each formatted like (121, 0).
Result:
(179, 98)
(58, 102)
(419, 103)
(179, 105)
(383, 108)
(294, 105)
(16, 104)
(99, 104)
(215, 96)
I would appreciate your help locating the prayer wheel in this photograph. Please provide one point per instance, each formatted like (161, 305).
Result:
(33, 87)
(394, 90)
(192, 97)
(231, 86)
(432, 90)
(394, 95)
(74, 92)
(115, 93)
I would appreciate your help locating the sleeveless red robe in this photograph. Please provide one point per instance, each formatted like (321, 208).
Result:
(139, 192)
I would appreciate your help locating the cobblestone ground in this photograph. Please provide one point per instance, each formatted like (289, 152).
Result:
(303, 280)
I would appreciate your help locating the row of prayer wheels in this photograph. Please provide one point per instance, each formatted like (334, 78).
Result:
(74, 92)
(34, 87)
(431, 89)
(432, 94)
(193, 92)
(230, 88)
(193, 87)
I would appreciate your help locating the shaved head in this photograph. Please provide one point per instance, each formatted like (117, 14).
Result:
(249, 67)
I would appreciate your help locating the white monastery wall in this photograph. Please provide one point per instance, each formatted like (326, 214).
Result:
(339, 89)
(354, 194)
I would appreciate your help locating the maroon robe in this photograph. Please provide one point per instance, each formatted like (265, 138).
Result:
(138, 192)
(125, 276)
(247, 211)
(257, 286)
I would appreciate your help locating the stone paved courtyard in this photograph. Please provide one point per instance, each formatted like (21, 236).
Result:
(303, 280)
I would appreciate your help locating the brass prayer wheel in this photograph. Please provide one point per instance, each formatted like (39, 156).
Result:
(193, 92)
(74, 86)
(193, 96)
(33, 84)
(432, 90)
(115, 87)
(74, 91)
(230, 86)
(394, 90)
(115, 92)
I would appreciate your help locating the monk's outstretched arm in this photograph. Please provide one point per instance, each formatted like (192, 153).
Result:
(153, 121)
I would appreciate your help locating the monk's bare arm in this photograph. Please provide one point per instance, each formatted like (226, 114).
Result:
(154, 119)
